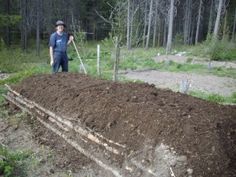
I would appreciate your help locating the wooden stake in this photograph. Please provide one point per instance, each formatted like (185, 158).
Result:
(116, 63)
(98, 61)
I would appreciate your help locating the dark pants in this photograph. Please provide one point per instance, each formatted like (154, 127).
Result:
(60, 60)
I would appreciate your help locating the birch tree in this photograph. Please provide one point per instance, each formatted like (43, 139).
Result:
(145, 23)
(187, 21)
(217, 22)
(170, 27)
(38, 25)
(234, 26)
(156, 20)
(210, 22)
(128, 25)
(198, 21)
(149, 23)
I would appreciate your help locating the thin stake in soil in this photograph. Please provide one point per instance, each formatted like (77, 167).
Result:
(98, 61)
(116, 63)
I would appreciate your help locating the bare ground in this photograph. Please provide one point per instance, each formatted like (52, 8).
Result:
(18, 134)
(208, 83)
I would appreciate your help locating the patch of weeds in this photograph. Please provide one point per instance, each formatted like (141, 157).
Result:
(12, 163)
(220, 50)
(223, 72)
(3, 90)
(216, 98)
(17, 77)
(14, 60)
(189, 60)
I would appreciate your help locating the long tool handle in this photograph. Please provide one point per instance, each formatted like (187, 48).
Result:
(79, 57)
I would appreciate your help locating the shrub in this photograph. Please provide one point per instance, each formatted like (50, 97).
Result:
(215, 49)
(12, 163)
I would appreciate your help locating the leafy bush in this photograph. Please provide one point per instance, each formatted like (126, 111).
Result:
(12, 163)
(215, 49)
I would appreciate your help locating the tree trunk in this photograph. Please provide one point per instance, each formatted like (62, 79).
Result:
(187, 22)
(164, 33)
(128, 25)
(217, 22)
(155, 24)
(24, 28)
(149, 23)
(234, 26)
(210, 18)
(38, 27)
(145, 23)
(7, 28)
(170, 27)
(198, 21)
(159, 31)
(117, 59)
(225, 27)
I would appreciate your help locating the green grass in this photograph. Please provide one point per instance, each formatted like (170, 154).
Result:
(12, 163)
(215, 97)
(15, 60)
(219, 50)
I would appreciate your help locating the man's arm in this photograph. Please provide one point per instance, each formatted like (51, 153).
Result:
(51, 55)
(51, 46)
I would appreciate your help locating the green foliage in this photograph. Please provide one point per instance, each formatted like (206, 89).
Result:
(215, 97)
(215, 49)
(107, 43)
(9, 20)
(2, 44)
(3, 90)
(12, 163)
(80, 37)
(178, 40)
(14, 60)
(17, 77)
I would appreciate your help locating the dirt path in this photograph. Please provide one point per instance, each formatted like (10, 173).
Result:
(208, 83)
(179, 58)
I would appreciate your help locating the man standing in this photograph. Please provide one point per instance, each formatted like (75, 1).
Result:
(58, 46)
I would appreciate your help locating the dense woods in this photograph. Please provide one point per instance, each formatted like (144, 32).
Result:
(138, 23)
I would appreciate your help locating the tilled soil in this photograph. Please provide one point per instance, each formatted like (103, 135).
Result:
(135, 114)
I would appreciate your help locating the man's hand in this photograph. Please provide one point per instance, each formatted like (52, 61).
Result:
(71, 38)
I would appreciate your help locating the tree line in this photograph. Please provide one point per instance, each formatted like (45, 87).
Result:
(138, 23)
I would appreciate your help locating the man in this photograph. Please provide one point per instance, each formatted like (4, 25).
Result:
(58, 46)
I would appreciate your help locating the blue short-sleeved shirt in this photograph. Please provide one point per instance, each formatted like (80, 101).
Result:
(58, 42)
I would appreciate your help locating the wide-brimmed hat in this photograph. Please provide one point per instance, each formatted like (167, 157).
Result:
(59, 22)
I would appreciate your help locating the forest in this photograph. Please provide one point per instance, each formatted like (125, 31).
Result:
(138, 23)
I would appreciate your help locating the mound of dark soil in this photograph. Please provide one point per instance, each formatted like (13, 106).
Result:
(133, 114)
